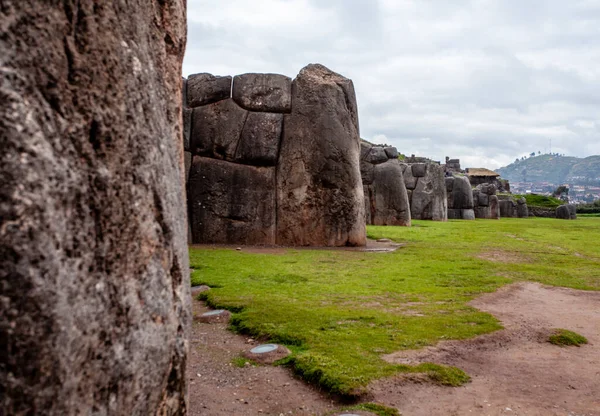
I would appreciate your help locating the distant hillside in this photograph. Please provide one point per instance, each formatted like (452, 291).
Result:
(554, 169)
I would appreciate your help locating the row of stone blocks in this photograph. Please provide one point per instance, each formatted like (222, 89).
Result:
(426, 191)
(252, 181)
(386, 199)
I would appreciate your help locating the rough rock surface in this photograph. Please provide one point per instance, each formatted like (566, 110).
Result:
(263, 92)
(216, 129)
(259, 142)
(203, 89)
(460, 198)
(462, 195)
(386, 199)
(485, 200)
(230, 202)
(566, 212)
(522, 209)
(320, 193)
(94, 303)
(428, 200)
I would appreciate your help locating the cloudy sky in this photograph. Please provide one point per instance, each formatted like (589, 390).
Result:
(483, 80)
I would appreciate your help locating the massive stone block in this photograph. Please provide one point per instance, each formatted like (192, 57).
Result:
(387, 200)
(522, 209)
(410, 181)
(230, 202)
(259, 142)
(508, 208)
(462, 195)
(203, 89)
(429, 199)
(94, 299)
(320, 193)
(494, 207)
(263, 92)
(216, 129)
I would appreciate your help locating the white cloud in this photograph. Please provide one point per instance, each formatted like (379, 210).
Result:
(482, 80)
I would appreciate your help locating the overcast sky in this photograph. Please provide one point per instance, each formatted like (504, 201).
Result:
(482, 80)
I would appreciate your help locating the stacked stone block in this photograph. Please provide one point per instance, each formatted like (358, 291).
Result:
(566, 212)
(249, 182)
(485, 202)
(426, 191)
(386, 199)
(460, 198)
(513, 208)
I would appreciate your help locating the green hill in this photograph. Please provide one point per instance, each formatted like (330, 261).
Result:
(554, 169)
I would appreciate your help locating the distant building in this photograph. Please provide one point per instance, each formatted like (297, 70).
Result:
(478, 176)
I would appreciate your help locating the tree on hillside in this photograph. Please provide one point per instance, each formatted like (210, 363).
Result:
(562, 192)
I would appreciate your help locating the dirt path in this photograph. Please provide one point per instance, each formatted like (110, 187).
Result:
(216, 387)
(514, 371)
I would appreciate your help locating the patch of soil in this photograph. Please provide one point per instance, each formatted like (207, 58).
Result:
(217, 387)
(514, 371)
(499, 256)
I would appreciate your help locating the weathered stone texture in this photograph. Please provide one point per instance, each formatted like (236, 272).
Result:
(462, 195)
(387, 200)
(94, 303)
(217, 128)
(259, 142)
(410, 181)
(566, 212)
(203, 89)
(419, 169)
(460, 198)
(320, 194)
(263, 92)
(230, 202)
(428, 199)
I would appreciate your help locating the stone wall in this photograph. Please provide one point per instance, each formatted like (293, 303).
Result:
(252, 181)
(513, 208)
(426, 190)
(386, 199)
(485, 202)
(460, 198)
(94, 270)
(566, 212)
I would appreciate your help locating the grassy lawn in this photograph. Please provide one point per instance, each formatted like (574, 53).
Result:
(339, 311)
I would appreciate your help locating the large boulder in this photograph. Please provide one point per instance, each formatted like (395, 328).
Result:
(320, 193)
(260, 138)
(263, 92)
(386, 198)
(494, 207)
(230, 202)
(572, 211)
(203, 89)
(216, 129)
(429, 200)
(95, 302)
(508, 208)
(410, 181)
(566, 212)
(462, 195)
(522, 210)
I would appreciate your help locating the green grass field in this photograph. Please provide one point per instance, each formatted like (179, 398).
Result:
(339, 311)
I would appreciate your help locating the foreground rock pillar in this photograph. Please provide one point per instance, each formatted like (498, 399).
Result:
(320, 198)
(94, 299)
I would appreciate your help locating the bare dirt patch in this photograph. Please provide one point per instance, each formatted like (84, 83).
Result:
(500, 256)
(514, 371)
(217, 387)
